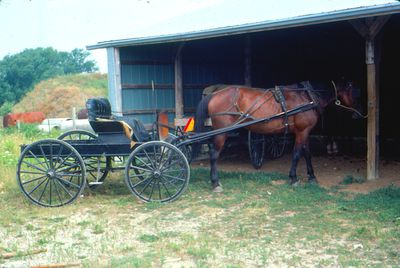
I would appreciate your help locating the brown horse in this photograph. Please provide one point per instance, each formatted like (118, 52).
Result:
(229, 105)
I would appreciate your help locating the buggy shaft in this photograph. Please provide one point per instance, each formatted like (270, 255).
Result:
(197, 137)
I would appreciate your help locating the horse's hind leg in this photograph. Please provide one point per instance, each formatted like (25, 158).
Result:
(310, 170)
(215, 150)
(297, 153)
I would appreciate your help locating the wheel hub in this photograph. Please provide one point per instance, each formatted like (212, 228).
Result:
(157, 174)
(51, 174)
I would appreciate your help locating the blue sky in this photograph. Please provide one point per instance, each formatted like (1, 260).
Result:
(68, 24)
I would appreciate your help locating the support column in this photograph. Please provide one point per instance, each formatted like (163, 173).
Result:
(178, 83)
(114, 80)
(368, 29)
(373, 117)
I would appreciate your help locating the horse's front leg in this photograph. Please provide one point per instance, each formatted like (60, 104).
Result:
(215, 150)
(297, 153)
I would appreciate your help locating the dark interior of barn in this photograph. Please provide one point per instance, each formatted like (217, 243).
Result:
(321, 53)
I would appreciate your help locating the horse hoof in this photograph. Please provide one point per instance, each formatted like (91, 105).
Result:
(313, 181)
(294, 182)
(218, 189)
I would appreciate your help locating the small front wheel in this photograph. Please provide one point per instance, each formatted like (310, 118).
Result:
(51, 173)
(157, 171)
(97, 167)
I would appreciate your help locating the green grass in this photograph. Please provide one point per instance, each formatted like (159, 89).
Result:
(254, 222)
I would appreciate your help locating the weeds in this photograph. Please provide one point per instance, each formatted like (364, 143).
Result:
(253, 223)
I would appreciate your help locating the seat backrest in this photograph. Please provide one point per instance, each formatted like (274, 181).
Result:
(98, 108)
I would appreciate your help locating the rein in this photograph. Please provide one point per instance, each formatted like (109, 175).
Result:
(339, 103)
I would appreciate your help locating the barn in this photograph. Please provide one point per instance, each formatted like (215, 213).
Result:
(262, 45)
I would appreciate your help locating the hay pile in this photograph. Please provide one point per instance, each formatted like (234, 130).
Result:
(56, 97)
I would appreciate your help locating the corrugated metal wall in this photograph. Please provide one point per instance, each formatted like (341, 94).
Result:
(204, 63)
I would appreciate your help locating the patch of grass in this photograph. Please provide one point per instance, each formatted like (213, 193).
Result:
(350, 179)
(148, 238)
(98, 228)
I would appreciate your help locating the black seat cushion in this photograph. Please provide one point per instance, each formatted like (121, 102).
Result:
(139, 131)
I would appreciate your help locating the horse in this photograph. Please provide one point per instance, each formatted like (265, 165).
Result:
(230, 104)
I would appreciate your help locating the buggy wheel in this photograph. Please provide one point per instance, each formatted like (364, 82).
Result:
(275, 146)
(51, 173)
(77, 134)
(256, 144)
(97, 167)
(157, 171)
(186, 149)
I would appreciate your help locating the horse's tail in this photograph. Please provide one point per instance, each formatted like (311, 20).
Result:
(199, 120)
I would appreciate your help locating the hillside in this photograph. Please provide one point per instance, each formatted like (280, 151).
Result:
(56, 97)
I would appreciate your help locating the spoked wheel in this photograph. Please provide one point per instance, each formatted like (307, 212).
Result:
(275, 146)
(77, 134)
(157, 171)
(51, 173)
(97, 167)
(256, 144)
(186, 149)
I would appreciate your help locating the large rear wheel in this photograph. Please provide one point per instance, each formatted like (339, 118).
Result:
(157, 171)
(51, 173)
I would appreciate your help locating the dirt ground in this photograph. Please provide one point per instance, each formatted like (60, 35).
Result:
(330, 171)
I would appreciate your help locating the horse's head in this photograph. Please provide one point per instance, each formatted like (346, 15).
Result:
(344, 93)
(345, 96)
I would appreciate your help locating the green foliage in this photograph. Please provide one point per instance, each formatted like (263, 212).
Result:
(20, 72)
(6, 108)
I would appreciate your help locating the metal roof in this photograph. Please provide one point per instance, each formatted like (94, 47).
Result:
(232, 18)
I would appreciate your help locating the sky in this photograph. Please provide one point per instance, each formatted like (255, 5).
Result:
(68, 24)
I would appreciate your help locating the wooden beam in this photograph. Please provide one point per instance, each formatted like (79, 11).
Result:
(247, 61)
(369, 27)
(178, 83)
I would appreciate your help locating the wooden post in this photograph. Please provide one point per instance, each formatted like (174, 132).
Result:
(178, 83)
(369, 28)
(373, 117)
(73, 117)
(114, 80)
(247, 61)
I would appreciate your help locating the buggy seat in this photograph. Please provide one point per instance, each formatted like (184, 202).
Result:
(102, 121)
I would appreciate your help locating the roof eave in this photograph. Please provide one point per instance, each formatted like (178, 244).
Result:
(340, 15)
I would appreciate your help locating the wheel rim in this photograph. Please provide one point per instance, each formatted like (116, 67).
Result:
(157, 171)
(256, 144)
(51, 173)
(96, 167)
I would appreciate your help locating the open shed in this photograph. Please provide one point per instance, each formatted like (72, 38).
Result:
(169, 71)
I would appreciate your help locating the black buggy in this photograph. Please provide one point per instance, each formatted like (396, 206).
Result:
(54, 172)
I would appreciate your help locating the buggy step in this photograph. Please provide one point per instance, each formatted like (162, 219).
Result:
(95, 183)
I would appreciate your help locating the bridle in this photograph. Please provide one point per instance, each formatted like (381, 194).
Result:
(339, 103)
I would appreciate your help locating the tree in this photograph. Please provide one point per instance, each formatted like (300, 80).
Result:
(20, 72)
(75, 62)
